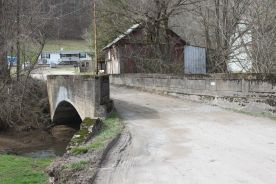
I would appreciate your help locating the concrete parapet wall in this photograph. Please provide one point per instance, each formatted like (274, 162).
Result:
(89, 95)
(254, 93)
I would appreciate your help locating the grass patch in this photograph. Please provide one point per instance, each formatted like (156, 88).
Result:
(56, 45)
(79, 150)
(255, 114)
(112, 127)
(77, 166)
(23, 170)
(97, 144)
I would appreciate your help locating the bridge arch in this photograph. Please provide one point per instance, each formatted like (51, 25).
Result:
(66, 114)
(76, 97)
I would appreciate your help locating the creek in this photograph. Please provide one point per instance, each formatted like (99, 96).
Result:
(37, 143)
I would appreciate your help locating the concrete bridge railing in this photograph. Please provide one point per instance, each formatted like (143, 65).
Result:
(246, 92)
(73, 98)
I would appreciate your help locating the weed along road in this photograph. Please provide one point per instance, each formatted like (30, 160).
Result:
(173, 141)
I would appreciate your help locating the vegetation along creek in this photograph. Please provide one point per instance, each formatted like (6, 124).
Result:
(28, 141)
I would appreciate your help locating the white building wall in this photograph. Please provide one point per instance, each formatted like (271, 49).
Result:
(240, 60)
(88, 58)
(56, 59)
(113, 63)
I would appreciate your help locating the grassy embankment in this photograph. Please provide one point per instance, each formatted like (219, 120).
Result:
(76, 168)
(112, 127)
(255, 114)
(26, 170)
(23, 170)
(67, 45)
(56, 45)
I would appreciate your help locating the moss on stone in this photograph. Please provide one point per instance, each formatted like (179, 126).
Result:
(88, 122)
(112, 127)
(81, 136)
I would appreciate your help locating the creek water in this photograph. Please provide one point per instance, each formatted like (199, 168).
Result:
(37, 143)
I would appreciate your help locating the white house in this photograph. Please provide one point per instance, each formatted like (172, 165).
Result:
(63, 57)
(240, 60)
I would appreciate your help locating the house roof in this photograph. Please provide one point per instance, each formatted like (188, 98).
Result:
(65, 52)
(129, 31)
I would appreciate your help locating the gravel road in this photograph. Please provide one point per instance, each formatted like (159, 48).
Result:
(173, 141)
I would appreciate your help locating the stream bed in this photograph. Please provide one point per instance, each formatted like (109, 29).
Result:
(37, 143)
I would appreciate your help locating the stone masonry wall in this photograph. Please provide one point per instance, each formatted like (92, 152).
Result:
(253, 93)
(89, 95)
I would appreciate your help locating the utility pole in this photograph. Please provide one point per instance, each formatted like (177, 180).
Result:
(95, 37)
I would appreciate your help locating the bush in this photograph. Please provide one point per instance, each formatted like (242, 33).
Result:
(23, 105)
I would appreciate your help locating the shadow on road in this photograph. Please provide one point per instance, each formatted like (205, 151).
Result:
(132, 111)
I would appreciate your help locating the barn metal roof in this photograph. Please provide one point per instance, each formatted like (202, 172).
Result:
(130, 30)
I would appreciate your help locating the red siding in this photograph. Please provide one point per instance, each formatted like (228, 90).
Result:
(133, 47)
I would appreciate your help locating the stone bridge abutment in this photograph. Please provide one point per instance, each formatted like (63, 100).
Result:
(73, 98)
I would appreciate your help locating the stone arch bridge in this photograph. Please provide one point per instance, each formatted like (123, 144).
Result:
(73, 98)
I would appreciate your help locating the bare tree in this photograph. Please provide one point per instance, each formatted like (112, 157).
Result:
(261, 22)
(22, 22)
(221, 20)
(155, 17)
(239, 34)
(4, 30)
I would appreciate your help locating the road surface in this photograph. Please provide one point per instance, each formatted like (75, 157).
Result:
(176, 142)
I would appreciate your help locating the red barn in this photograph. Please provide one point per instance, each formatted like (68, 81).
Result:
(122, 54)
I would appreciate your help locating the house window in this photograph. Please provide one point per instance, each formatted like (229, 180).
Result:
(45, 56)
(74, 55)
(69, 55)
(82, 55)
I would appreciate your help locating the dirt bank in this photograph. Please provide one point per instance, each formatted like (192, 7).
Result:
(80, 165)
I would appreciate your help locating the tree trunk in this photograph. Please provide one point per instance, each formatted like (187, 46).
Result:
(18, 41)
(4, 72)
(221, 62)
(3, 65)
